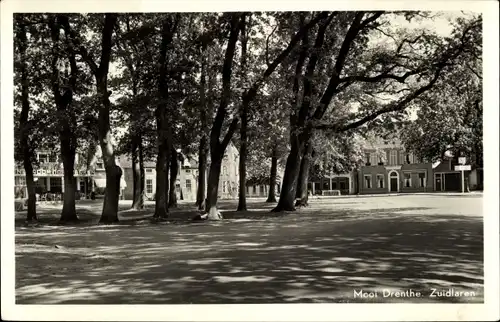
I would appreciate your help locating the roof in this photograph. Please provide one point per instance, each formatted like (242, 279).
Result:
(126, 162)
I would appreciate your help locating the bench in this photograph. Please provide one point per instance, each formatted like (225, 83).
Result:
(330, 193)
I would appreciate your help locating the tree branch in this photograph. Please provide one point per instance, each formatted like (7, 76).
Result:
(267, 45)
(393, 107)
(106, 44)
(281, 57)
(230, 132)
(64, 20)
(339, 64)
(226, 82)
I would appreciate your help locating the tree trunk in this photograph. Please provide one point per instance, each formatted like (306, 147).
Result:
(27, 153)
(242, 202)
(288, 189)
(66, 118)
(30, 184)
(68, 157)
(167, 177)
(302, 189)
(137, 173)
(213, 186)
(272, 178)
(163, 123)
(174, 167)
(202, 168)
(161, 201)
(113, 172)
(217, 148)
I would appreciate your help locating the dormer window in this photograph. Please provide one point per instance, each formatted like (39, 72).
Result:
(393, 157)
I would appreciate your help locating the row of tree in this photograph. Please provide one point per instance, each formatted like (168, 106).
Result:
(280, 85)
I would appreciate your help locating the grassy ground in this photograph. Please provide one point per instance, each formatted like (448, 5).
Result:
(320, 254)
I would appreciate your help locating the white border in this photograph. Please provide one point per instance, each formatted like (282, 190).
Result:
(284, 312)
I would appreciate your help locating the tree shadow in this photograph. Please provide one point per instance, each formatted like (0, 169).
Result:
(313, 256)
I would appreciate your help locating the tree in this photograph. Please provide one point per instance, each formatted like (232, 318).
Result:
(218, 147)
(386, 78)
(66, 116)
(25, 146)
(449, 119)
(100, 72)
(164, 122)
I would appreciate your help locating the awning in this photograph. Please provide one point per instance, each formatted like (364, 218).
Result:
(101, 183)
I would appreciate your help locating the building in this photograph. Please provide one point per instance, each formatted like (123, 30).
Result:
(187, 176)
(447, 179)
(389, 168)
(343, 183)
(185, 186)
(49, 177)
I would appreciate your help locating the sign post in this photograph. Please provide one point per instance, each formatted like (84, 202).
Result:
(462, 167)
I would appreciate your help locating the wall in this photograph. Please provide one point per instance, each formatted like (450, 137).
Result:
(413, 169)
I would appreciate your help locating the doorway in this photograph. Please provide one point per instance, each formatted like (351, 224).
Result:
(393, 181)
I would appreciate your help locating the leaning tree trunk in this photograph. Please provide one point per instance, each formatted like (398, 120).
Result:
(213, 187)
(202, 168)
(288, 189)
(303, 192)
(272, 178)
(174, 167)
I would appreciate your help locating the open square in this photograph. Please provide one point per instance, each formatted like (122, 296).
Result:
(320, 254)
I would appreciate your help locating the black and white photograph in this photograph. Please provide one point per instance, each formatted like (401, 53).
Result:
(250, 156)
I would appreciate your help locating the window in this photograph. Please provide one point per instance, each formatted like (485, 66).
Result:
(254, 189)
(43, 157)
(188, 171)
(248, 189)
(52, 157)
(224, 170)
(149, 170)
(380, 180)
(422, 179)
(178, 187)
(407, 178)
(373, 159)
(56, 184)
(410, 158)
(20, 181)
(149, 186)
(334, 185)
(188, 185)
(367, 156)
(342, 185)
(393, 157)
(99, 165)
(368, 181)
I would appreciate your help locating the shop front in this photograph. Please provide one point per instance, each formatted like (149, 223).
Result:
(49, 183)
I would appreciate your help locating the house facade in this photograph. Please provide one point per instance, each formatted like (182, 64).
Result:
(49, 177)
(387, 167)
(186, 186)
(390, 168)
